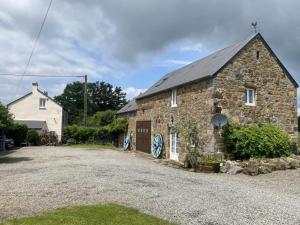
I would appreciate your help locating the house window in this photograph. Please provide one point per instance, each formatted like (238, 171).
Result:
(42, 103)
(174, 98)
(250, 96)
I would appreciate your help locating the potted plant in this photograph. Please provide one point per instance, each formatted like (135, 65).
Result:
(209, 164)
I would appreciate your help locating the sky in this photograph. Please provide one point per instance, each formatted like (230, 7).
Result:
(132, 43)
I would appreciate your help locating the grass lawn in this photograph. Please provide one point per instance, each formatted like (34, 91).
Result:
(91, 215)
(95, 146)
(8, 159)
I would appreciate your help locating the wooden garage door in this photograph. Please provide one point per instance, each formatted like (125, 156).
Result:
(143, 136)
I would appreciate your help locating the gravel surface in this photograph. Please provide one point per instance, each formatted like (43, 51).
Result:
(38, 179)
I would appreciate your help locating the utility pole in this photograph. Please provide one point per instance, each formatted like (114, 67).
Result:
(85, 101)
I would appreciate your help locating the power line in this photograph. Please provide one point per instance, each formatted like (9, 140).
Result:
(34, 45)
(38, 75)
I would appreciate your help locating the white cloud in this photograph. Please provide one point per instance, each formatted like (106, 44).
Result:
(132, 92)
(192, 47)
(93, 36)
(178, 62)
(69, 44)
(56, 89)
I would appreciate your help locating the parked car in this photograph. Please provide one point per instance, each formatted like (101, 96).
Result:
(9, 143)
(24, 143)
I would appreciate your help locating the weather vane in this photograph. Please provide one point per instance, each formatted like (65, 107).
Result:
(254, 25)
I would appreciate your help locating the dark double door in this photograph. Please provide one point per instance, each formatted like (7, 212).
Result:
(143, 136)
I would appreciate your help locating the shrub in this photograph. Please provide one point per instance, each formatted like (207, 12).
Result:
(18, 132)
(103, 135)
(71, 141)
(103, 118)
(228, 134)
(118, 126)
(264, 140)
(33, 137)
(188, 130)
(91, 134)
(84, 133)
(6, 118)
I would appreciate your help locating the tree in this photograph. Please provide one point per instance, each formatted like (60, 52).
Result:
(6, 118)
(104, 97)
(101, 97)
(102, 118)
(72, 100)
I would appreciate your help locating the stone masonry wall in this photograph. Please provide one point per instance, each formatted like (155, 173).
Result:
(194, 100)
(276, 100)
(276, 95)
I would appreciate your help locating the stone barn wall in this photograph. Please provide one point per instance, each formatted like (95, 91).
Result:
(276, 95)
(193, 100)
(276, 100)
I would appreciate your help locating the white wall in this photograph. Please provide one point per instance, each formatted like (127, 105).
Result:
(28, 108)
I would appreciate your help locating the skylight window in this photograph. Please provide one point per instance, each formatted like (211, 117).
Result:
(161, 81)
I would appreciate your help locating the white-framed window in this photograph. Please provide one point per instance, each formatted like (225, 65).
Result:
(42, 103)
(174, 98)
(250, 96)
(174, 145)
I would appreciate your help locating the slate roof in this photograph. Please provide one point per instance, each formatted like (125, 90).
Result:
(204, 68)
(129, 107)
(33, 124)
(19, 99)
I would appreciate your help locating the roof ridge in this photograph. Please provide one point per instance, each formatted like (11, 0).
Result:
(215, 52)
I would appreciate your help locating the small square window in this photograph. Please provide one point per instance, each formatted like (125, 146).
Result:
(174, 98)
(42, 103)
(250, 96)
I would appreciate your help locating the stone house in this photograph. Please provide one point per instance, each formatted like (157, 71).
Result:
(39, 112)
(245, 81)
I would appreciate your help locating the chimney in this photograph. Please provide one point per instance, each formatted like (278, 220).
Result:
(34, 87)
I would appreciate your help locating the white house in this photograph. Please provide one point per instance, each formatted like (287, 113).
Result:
(38, 111)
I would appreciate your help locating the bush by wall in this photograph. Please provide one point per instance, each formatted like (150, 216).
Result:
(105, 134)
(71, 141)
(263, 140)
(33, 137)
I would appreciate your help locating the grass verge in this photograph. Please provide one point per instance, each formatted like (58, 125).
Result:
(94, 146)
(8, 159)
(91, 215)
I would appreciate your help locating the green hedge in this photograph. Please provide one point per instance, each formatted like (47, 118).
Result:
(71, 141)
(103, 118)
(33, 137)
(256, 140)
(105, 134)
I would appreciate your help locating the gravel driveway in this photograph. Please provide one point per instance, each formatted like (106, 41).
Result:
(38, 179)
